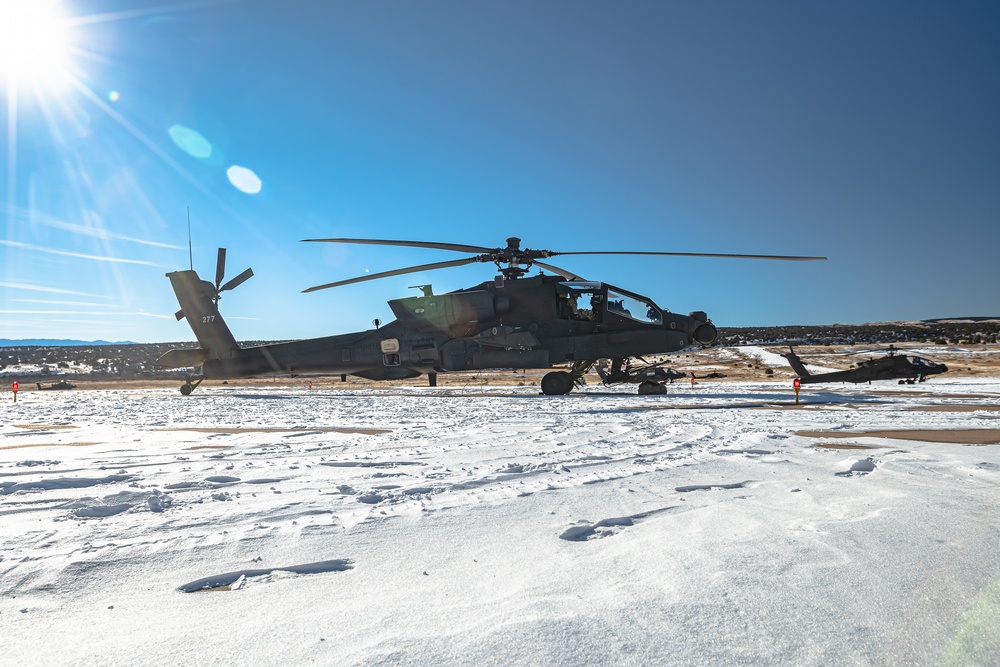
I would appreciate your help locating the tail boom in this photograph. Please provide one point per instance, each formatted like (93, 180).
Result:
(197, 300)
(796, 363)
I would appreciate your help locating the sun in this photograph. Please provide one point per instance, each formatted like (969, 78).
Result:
(35, 43)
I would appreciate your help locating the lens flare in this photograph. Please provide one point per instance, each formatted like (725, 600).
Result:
(244, 180)
(190, 141)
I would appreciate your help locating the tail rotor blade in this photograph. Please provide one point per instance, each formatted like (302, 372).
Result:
(237, 281)
(220, 268)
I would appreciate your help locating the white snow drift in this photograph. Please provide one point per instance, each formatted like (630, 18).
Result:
(426, 526)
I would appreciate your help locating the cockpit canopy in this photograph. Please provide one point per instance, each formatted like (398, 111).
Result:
(920, 361)
(606, 299)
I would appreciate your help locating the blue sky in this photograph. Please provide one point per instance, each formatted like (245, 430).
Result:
(863, 131)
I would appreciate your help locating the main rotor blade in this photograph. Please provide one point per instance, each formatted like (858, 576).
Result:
(237, 281)
(559, 272)
(457, 247)
(792, 258)
(220, 267)
(397, 272)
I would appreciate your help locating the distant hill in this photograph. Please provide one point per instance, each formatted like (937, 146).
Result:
(57, 342)
(964, 319)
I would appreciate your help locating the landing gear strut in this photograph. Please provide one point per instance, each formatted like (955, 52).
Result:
(190, 386)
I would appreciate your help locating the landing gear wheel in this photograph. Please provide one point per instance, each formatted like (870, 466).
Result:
(190, 386)
(648, 387)
(557, 383)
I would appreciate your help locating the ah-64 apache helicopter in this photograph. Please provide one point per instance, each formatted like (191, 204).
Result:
(513, 321)
(907, 368)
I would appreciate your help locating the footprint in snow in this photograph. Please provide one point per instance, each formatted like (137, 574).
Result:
(710, 487)
(100, 511)
(236, 580)
(859, 467)
(606, 527)
(94, 508)
(222, 479)
(59, 483)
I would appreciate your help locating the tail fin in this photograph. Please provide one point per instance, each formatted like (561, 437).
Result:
(198, 305)
(796, 363)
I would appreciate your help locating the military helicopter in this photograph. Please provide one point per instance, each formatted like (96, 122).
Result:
(514, 321)
(62, 384)
(909, 369)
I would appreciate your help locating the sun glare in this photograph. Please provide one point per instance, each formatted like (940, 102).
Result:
(35, 43)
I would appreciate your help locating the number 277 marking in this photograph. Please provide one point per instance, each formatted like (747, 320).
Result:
(207, 318)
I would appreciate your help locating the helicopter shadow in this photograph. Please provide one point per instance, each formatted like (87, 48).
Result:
(247, 396)
(741, 400)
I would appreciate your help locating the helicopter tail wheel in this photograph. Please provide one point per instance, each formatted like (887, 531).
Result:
(189, 386)
(557, 383)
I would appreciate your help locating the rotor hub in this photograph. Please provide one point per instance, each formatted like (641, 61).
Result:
(518, 261)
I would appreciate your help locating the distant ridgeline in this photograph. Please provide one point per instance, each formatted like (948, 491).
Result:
(97, 360)
(967, 330)
(100, 359)
(57, 342)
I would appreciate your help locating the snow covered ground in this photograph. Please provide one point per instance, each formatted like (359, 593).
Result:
(496, 526)
(775, 360)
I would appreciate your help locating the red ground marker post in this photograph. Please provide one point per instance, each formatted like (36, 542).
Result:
(13, 388)
(796, 383)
